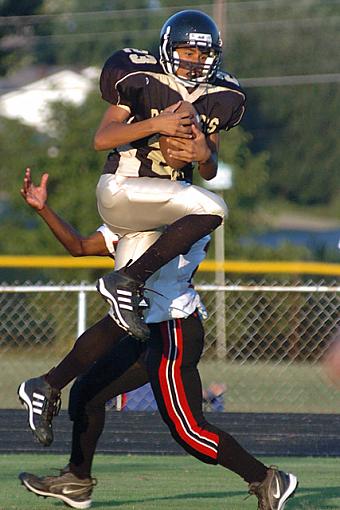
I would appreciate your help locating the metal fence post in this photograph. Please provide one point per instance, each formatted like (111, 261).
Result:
(221, 182)
(81, 322)
(221, 339)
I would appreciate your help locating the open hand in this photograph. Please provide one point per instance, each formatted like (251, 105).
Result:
(35, 196)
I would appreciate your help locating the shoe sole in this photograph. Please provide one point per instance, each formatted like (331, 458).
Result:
(73, 504)
(293, 484)
(115, 315)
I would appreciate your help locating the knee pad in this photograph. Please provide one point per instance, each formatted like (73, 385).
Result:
(202, 201)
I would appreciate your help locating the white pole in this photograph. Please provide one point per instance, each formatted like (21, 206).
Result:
(221, 339)
(81, 323)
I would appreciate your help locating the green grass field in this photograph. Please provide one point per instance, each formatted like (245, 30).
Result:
(169, 483)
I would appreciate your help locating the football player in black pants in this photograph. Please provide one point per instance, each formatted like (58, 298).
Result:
(138, 190)
(169, 361)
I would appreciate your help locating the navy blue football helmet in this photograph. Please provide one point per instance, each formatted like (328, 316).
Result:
(191, 28)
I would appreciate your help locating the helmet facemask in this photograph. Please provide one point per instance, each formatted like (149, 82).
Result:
(198, 72)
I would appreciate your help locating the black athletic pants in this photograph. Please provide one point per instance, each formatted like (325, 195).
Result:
(171, 355)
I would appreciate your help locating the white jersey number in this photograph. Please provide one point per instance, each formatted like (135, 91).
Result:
(140, 56)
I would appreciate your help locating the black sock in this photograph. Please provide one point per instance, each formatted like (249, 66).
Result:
(85, 435)
(176, 240)
(232, 456)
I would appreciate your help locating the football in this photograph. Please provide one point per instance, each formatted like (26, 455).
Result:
(177, 164)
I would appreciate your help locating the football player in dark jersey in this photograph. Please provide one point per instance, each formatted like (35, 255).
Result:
(138, 191)
(169, 361)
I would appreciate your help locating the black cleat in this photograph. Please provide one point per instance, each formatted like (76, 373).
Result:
(275, 490)
(125, 295)
(42, 403)
(73, 491)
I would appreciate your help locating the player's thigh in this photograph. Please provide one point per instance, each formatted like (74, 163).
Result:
(174, 350)
(129, 204)
(119, 371)
(139, 204)
(134, 377)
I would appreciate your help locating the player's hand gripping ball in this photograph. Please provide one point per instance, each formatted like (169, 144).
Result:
(177, 164)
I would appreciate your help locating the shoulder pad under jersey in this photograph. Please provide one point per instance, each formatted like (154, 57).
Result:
(121, 64)
(224, 79)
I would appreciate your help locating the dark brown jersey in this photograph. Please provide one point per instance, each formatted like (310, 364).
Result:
(134, 80)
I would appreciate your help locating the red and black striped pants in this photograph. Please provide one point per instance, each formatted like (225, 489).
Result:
(172, 355)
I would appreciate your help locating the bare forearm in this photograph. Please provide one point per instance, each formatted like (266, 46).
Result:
(116, 133)
(208, 168)
(63, 231)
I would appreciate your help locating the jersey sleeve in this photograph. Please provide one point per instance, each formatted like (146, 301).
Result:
(231, 101)
(123, 77)
(110, 238)
(114, 70)
(237, 114)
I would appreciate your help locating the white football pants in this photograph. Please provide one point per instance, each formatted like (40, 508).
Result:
(137, 204)
(132, 246)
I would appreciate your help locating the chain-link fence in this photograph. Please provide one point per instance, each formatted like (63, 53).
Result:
(263, 346)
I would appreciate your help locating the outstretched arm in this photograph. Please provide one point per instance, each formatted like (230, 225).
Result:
(75, 244)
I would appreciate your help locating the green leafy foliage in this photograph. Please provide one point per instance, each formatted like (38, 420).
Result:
(74, 170)
(296, 124)
(300, 134)
(249, 178)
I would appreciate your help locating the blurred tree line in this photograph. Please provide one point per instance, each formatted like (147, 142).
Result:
(286, 149)
(74, 168)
